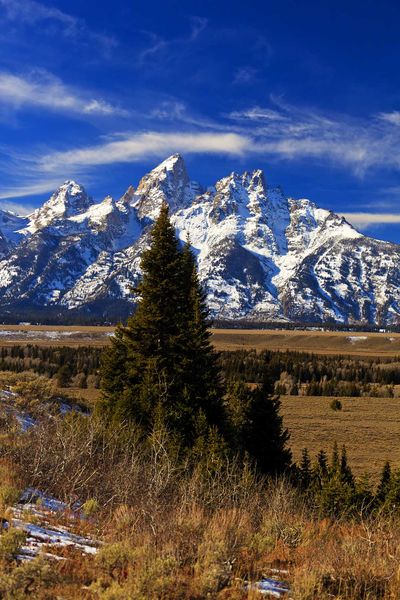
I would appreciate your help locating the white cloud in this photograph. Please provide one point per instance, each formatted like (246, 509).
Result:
(291, 133)
(257, 113)
(44, 90)
(277, 132)
(32, 188)
(32, 12)
(139, 146)
(391, 117)
(365, 220)
(17, 208)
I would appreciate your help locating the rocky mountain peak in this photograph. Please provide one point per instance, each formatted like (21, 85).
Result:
(127, 198)
(168, 182)
(69, 200)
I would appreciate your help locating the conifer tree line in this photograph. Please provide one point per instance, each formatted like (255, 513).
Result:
(314, 375)
(162, 371)
(332, 488)
(294, 373)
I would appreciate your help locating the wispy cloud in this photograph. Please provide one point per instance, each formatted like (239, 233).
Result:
(391, 117)
(32, 12)
(38, 173)
(273, 132)
(364, 220)
(245, 75)
(287, 132)
(257, 114)
(169, 110)
(159, 44)
(17, 208)
(139, 146)
(42, 89)
(31, 188)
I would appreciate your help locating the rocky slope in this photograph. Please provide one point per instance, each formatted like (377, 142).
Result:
(261, 256)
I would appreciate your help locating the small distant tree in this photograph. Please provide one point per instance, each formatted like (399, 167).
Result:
(322, 464)
(335, 405)
(305, 471)
(64, 376)
(345, 471)
(384, 484)
(335, 461)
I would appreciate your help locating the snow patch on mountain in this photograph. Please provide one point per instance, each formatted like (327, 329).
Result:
(260, 254)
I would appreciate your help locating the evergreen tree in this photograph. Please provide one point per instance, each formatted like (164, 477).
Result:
(345, 471)
(322, 464)
(113, 377)
(320, 471)
(202, 379)
(161, 366)
(384, 485)
(335, 462)
(256, 426)
(305, 470)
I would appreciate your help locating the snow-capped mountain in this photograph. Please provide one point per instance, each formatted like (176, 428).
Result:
(261, 256)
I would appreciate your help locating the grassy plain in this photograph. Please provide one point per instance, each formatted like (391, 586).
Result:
(369, 427)
(317, 342)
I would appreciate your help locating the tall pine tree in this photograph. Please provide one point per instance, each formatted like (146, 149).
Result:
(161, 365)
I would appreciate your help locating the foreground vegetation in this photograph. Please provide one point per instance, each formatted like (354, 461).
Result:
(174, 529)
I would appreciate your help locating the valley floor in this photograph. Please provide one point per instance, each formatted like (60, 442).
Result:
(368, 427)
(317, 342)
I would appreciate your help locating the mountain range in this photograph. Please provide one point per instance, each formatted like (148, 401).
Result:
(261, 255)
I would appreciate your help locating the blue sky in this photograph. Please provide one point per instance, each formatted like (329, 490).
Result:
(308, 91)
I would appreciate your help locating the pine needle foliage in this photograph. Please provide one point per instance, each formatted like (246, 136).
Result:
(161, 367)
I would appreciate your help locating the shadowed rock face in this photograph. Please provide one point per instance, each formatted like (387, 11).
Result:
(260, 254)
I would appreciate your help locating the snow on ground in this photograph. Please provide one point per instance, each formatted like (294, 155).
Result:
(39, 334)
(33, 514)
(270, 587)
(36, 511)
(25, 420)
(353, 339)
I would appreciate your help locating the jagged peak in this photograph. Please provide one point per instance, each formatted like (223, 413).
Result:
(108, 200)
(69, 200)
(127, 197)
(168, 182)
(70, 194)
(170, 163)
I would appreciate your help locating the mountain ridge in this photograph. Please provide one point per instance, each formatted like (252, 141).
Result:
(261, 255)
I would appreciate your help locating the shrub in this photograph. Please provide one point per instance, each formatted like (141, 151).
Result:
(90, 507)
(28, 580)
(9, 495)
(10, 543)
(335, 405)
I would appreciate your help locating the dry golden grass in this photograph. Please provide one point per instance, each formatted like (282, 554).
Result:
(369, 427)
(317, 342)
(88, 395)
